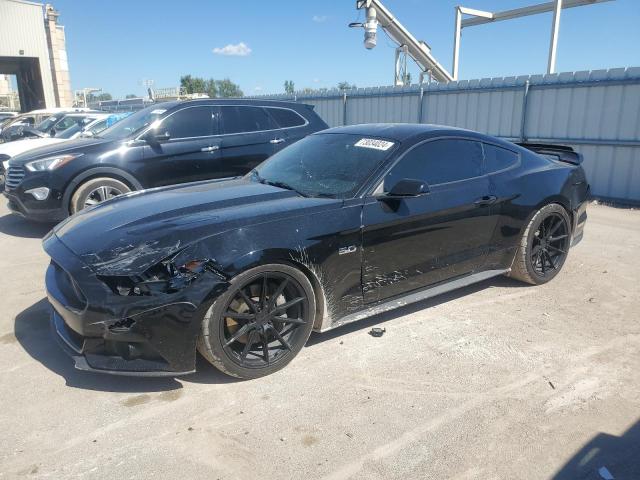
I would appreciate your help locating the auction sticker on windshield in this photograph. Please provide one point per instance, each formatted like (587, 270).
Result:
(374, 143)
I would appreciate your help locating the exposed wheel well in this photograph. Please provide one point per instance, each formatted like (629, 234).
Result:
(318, 291)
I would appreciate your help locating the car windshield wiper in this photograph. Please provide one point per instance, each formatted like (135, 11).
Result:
(275, 183)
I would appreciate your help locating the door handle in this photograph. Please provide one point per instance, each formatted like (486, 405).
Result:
(212, 148)
(486, 200)
(275, 141)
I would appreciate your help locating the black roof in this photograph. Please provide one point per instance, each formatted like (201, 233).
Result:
(407, 131)
(240, 101)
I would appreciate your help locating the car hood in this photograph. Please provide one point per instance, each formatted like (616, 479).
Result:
(129, 234)
(80, 145)
(20, 146)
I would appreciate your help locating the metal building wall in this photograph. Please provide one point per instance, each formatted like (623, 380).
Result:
(596, 112)
(22, 28)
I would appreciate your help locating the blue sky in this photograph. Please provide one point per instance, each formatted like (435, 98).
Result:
(117, 44)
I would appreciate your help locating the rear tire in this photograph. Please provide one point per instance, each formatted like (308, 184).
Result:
(95, 191)
(543, 247)
(260, 323)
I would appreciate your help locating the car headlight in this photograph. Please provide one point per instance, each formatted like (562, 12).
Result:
(51, 163)
(165, 277)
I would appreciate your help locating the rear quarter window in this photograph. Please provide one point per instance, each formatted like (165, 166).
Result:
(497, 158)
(286, 118)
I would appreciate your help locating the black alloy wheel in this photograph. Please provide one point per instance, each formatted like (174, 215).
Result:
(550, 244)
(544, 246)
(260, 323)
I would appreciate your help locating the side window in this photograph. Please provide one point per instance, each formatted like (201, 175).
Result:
(286, 118)
(189, 122)
(98, 127)
(497, 158)
(438, 161)
(245, 119)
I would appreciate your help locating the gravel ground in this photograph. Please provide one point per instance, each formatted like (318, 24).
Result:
(499, 380)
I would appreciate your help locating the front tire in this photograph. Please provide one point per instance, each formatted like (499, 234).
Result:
(544, 246)
(260, 323)
(95, 191)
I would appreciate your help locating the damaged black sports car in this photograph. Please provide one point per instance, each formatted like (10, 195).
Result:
(343, 224)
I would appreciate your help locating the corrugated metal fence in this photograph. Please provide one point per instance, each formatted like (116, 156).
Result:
(596, 112)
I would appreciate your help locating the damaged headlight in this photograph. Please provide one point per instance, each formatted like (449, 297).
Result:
(165, 277)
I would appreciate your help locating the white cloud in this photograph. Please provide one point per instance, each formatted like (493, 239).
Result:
(258, 88)
(316, 80)
(319, 18)
(239, 50)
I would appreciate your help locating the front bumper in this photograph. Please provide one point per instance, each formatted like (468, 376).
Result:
(123, 335)
(18, 180)
(32, 209)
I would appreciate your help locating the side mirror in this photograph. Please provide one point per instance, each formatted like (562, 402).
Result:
(155, 137)
(408, 187)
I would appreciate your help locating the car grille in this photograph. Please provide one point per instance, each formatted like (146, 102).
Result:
(73, 296)
(14, 177)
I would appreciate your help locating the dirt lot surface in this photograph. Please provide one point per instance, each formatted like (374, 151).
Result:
(500, 380)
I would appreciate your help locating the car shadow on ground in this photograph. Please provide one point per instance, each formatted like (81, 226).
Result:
(16, 226)
(606, 456)
(502, 282)
(33, 332)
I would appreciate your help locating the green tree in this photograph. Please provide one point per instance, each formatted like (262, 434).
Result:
(191, 84)
(131, 95)
(214, 88)
(289, 87)
(210, 88)
(346, 86)
(226, 89)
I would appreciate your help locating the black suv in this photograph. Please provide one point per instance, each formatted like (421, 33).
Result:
(164, 144)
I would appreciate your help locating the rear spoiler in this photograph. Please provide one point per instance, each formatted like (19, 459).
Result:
(563, 153)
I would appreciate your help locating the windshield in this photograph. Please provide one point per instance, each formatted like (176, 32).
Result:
(46, 125)
(325, 165)
(134, 123)
(69, 132)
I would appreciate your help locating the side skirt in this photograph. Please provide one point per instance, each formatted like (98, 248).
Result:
(412, 297)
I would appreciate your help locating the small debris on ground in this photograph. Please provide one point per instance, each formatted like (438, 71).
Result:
(552, 385)
(605, 473)
(377, 331)
(190, 429)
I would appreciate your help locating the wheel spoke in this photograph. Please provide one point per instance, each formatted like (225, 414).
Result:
(286, 306)
(295, 321)
(280, 338)
(241, 331)
(555, 239)
(551, 264)
(248, 345)
(265, 347)
(250, 303)
(556, 227)
(557, 249)
(277, 293)
(239, 316)
(263, 291)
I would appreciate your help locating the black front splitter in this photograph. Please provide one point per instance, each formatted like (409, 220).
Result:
(109, 365)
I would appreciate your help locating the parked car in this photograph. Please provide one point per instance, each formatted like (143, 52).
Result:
(5, 115)
(167, 143)
(48, 127)
(346, 223)
(81, 124)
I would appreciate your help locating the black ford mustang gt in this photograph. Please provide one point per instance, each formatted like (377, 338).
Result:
(344, 224)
